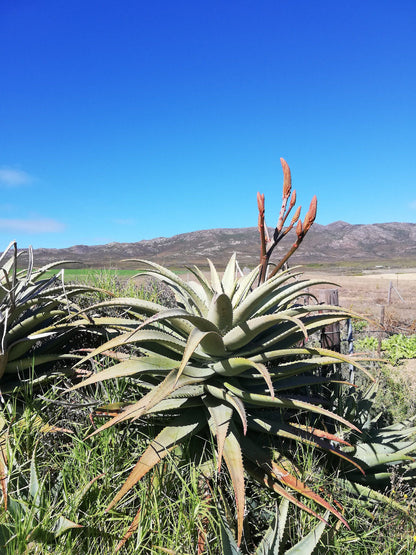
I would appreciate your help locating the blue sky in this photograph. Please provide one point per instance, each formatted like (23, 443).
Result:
(128, 120)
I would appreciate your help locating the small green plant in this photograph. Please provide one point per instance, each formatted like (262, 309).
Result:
(359, 325)
(395, 348)
(369, 343)
(399, 346)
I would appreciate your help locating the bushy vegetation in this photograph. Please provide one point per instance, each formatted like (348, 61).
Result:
(228, 428)
(394, 348)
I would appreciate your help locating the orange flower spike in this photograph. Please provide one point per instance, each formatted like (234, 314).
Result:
(287, 188)
(296, 215)
(287, 179)
(311, 214)
(299, 229)
(260, 202)
(293, 221)
(292, 200)
(261, 226)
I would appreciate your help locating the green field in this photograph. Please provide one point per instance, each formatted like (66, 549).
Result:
(88, 274)
(92, 274)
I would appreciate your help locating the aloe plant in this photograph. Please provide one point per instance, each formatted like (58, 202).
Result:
(37, 323)
(381, 451)
(36, 316)
(228, 360)
(272, 543)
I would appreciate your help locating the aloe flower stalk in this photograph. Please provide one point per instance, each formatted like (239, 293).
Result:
(267, 245)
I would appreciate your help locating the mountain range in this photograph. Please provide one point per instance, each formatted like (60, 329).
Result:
(339, 242)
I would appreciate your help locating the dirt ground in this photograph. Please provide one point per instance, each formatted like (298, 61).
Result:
(368, 293)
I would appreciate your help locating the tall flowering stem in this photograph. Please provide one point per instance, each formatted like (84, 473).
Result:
(267, 245)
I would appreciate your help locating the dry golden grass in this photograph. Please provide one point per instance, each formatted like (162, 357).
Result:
(367, 294)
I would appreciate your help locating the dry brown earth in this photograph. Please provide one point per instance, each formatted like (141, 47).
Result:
(368, 293)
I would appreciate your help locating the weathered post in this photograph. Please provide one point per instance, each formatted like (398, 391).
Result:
(389, 293)
(380, 334)
(330, 339)
(330, 335)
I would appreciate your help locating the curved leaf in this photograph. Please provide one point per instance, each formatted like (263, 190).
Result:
(215, 278)
(160, 392)
(220, 312)
(262, 476)
(265, 401)
(308, 544)
(243, 287)
(203, 281)
(228, 279)
(178, 314)
(269, 356)
(174, 344)
(237, 365)
(221, 415)
(183, 426)
(156, 364)
(241, 335)
(234, 461)
(235, 402)
(160, 272)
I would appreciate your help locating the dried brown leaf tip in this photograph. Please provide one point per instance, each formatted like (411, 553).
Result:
(287, 179)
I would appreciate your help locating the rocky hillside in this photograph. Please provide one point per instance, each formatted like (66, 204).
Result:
(334, 243)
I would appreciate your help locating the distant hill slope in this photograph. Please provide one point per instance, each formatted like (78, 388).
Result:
(336, 242)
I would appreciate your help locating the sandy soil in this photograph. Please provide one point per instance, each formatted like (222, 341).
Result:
(367, 294)
(410, 276)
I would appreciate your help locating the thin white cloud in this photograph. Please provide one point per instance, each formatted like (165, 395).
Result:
(14, 178)
(413, 205)
(44, 225)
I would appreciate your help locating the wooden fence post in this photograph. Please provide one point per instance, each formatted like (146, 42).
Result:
(330, 339)
(380, 333)
(330, 335)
